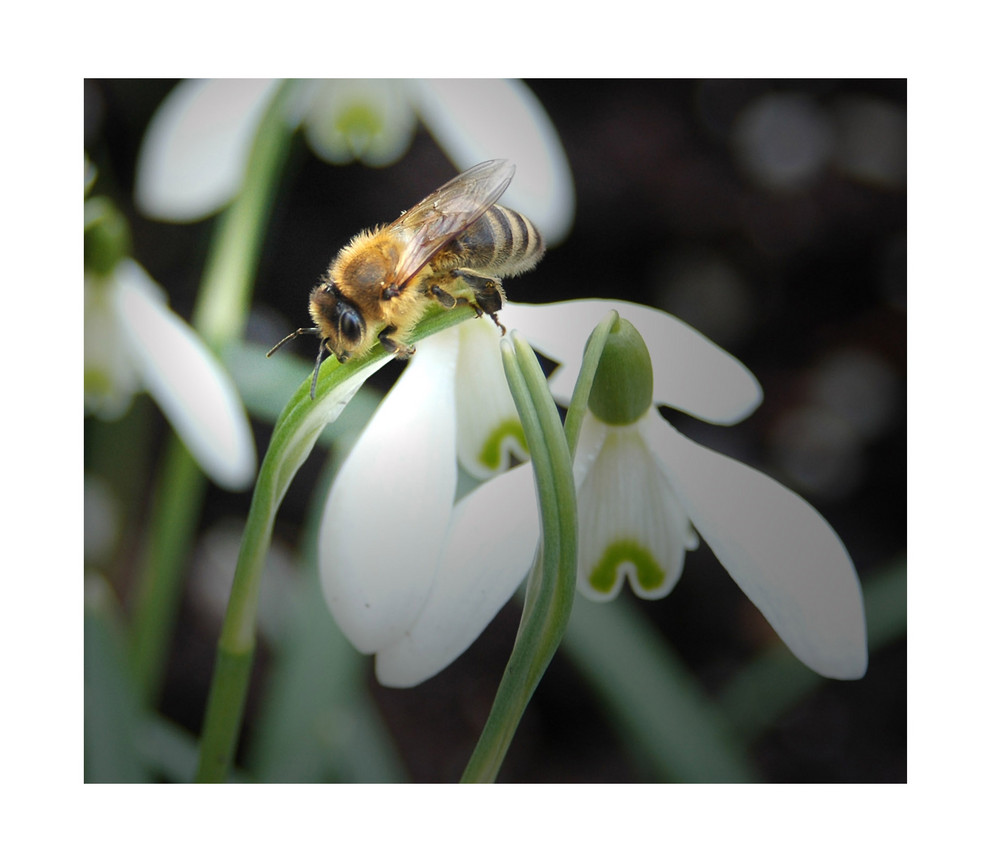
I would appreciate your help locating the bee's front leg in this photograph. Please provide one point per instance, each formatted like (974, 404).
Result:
(400, 349)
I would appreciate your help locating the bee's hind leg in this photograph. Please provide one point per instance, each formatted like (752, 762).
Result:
(487, 291)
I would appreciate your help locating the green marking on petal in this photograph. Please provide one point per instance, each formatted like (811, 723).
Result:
(649, 574)
(359, 121)
(96, 381)
(492, 448)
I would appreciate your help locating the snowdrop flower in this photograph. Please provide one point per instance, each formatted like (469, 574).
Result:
(133, 341)
(195, 151)
(643, 488)
(459, 563)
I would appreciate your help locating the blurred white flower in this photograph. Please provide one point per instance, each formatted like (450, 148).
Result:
(195, 151)
(133, 341)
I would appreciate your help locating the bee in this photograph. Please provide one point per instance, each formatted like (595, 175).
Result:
(453, 247)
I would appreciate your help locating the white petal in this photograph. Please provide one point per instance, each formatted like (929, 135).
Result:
(478, 119)
(631, 524)
(778, 549)
(491, 544)
(188, 383)
(194, 154)
(592, 436)
(690, 372)
(387, 514)
(489, 430)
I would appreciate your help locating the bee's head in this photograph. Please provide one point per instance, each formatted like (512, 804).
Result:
(340, 323)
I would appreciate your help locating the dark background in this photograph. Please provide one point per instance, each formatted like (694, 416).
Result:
(805, 282)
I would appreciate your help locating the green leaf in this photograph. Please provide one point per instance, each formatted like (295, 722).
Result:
(112, 712)
(317, 723)
(656, 704)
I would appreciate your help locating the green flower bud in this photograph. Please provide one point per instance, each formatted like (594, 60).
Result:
(106, 236)
(623, 384)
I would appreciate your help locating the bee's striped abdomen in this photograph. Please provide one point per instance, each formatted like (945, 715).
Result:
(502, 242)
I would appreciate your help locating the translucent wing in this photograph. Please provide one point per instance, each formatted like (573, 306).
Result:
(447, 212)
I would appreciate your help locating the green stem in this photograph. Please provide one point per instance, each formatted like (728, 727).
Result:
(219, 316)
(295, 433)
(553, 583)
(180, 484)
(223, 303)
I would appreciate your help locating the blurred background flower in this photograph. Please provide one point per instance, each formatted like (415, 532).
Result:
(195, 151)
(133, 341)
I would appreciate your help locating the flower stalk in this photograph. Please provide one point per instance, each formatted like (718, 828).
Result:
(220, 314)
(552, 584)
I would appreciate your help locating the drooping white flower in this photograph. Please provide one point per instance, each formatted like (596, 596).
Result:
(133, 341)
(194, 155)
(644, 491)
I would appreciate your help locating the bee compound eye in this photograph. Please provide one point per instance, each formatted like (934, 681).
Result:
(350, 325)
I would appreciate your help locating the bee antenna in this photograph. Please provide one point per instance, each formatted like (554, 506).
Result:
(312, 330)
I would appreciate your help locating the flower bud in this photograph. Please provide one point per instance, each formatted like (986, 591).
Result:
(106, 236)
(623, 384)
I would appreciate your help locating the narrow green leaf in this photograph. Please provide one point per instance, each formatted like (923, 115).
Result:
(317, 723)
(112, 707)
(663, 716)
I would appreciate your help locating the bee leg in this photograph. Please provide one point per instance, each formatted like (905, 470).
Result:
(401, 350)
(487, 290)
(488, 293)
(442, 296)
(503, 330)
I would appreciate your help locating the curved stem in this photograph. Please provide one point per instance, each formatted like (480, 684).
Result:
(553, 582)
